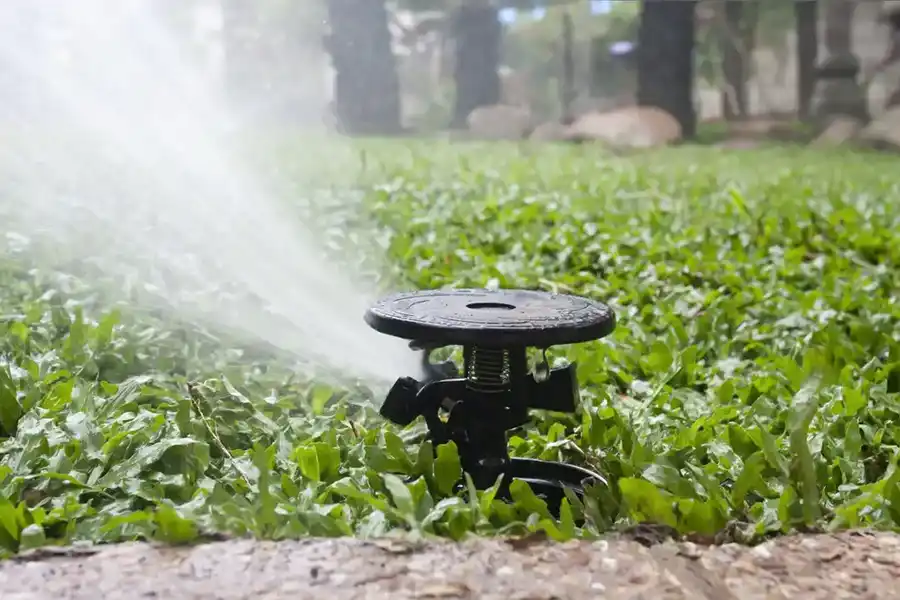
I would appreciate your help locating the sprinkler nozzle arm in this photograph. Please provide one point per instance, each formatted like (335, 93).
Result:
(559, 392)
(439, 371)
(409, 399)
(400, 406)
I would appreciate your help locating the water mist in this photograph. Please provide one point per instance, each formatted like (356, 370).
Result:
(119, 152)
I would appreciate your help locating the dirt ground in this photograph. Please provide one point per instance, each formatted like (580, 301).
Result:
(847, 565)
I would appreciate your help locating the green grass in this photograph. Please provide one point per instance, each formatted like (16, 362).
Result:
(751, 385)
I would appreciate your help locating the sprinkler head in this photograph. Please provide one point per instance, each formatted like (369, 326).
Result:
(476, 408)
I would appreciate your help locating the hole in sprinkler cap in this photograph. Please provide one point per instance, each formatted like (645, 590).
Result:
(498, 305)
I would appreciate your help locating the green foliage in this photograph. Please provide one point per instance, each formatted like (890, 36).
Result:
(752, 381)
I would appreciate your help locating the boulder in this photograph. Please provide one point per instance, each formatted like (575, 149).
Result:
(500, 122)
(628, 127)
(883, 133)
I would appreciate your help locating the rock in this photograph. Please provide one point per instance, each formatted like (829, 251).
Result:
(883, 133)
(840, 130)
(551, 131)
(629, 127)
(500, 122)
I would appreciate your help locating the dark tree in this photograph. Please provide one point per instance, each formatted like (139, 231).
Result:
(666, 59)
(806, 15)
(367, 87)
(567, 85)
(477, 34)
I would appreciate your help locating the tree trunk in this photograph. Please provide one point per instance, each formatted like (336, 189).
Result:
(737, 43)
(477, 35)
(366, 86)
(806, 14)
(666, 60)
(567, 86)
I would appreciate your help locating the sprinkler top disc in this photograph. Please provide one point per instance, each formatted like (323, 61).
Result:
(491, 318)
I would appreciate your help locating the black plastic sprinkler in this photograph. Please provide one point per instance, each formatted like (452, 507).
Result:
(476, 408)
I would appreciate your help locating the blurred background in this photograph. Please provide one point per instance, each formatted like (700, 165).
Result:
(734, 70)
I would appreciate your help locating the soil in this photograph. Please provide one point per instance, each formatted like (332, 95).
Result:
(858, 564)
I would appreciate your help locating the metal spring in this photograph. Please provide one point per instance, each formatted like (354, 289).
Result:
(488, 369)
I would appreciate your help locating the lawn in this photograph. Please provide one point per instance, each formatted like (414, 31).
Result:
(752, 385)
